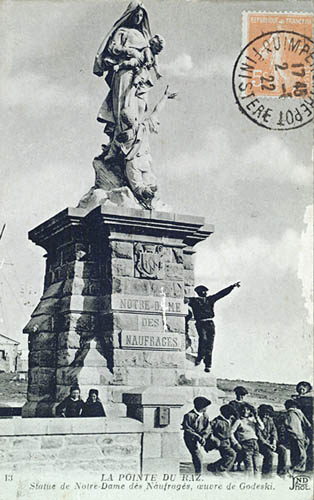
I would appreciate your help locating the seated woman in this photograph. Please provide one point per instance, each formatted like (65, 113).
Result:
(93, 406)
(72, 405)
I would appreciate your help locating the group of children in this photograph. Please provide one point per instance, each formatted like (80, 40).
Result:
(244, 436)
(74, 406)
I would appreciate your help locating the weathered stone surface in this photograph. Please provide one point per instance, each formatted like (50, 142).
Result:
(100, 465)
(51, 442)
(127, 358)
(77, 375)
(42, 340)
(71, 453)
(122, 267)
(69, 340)
(60, 273)
(189, 277)
(78, 322)
(142, 374)
(151, 465)
(80, 440)
(54, 290)
(125, 450)
(76, 286)
(188, 261)
(5, 444)
(120, 377)
(169, 445)
(138, 286)
(40, 376)
(125, 321)
(42, 358)
(42, 323)
(151, 445)
(159, 359)
(188, 291)
(47, 306)
(174, 271)
(176, 324)
(65, 357)
(163, 376)
(121, 249)
(83, 269)
(88, 304)
(26, 443)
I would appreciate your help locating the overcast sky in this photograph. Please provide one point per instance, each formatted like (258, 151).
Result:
(253, 184)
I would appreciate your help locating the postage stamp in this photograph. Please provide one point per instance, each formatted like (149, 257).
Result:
(282, 72)
(276, 62)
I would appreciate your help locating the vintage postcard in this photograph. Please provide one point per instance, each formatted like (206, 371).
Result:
(156, 249)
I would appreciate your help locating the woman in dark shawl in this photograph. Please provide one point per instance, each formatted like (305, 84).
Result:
(93, 406)
(127, 54)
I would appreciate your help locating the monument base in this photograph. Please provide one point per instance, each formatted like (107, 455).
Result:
(112, 315)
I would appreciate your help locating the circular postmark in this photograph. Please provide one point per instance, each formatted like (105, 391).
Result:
(273, 80)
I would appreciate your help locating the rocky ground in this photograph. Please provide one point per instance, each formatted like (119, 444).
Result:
(13, 389)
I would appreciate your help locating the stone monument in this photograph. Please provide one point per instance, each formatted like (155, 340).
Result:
(119, 266)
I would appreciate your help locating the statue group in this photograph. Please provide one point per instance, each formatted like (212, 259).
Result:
(128, 57)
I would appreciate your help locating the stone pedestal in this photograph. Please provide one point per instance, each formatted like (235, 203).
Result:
(159, 409)
(112, 315)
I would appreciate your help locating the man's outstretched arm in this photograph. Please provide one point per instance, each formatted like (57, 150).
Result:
(225, 291)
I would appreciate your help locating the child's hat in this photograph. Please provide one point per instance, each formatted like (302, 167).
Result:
(305, 384)
(200, 403)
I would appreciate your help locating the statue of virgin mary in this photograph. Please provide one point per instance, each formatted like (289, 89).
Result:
(128, 54)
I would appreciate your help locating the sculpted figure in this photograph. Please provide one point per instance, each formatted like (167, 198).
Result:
(128, 58)
(138, 161)
(128, 55)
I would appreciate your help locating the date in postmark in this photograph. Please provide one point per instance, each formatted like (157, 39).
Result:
(273, 74)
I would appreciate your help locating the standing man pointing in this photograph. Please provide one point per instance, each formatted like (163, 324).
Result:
(203, 312)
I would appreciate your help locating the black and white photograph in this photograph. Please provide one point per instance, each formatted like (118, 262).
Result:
(156, 249)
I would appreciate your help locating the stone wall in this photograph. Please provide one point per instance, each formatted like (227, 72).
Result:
(90, 444)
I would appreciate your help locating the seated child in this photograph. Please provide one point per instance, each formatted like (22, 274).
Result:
(298, 429)
(196, 429)
(222, 440)
(244, 430)
(93, 406)
(72, 405)
(240, 393)
(268, 443)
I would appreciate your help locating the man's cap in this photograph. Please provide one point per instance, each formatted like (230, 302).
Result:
(306, 384)
(201, 288)
(200, 403)
(240, 390)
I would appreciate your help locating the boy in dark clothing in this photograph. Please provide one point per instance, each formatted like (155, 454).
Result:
(236, 404)
(221, 439)
(72, 405)
(196, 428)
(297, 428)
(304, 398)
(203, 312)
(268, 443)
(93, 406)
